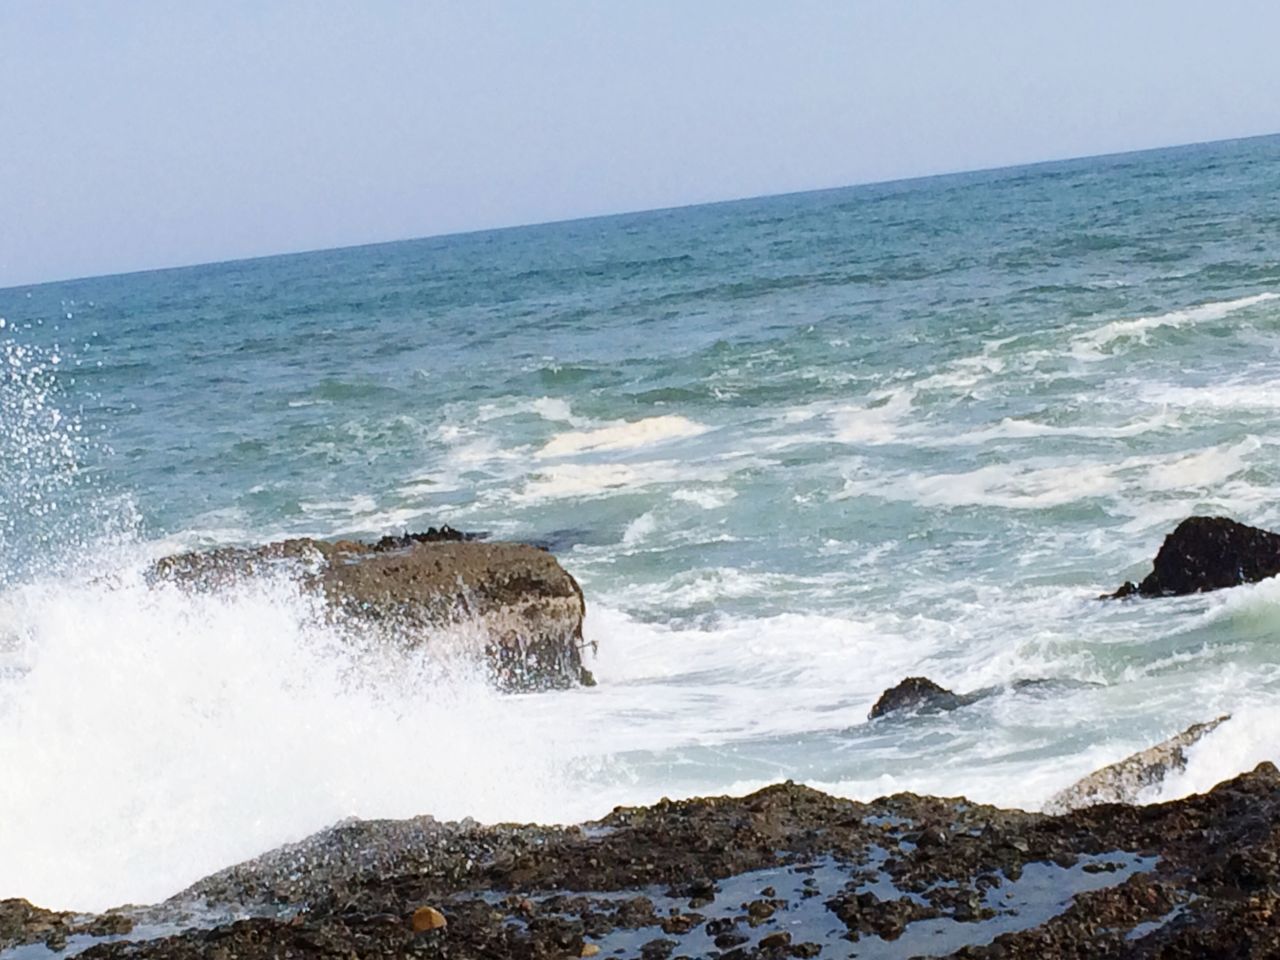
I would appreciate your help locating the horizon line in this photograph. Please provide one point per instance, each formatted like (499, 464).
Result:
(631, 212)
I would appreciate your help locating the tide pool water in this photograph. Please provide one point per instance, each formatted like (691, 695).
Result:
(795, 449)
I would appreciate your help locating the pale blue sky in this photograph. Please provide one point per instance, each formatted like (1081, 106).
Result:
(145, 134)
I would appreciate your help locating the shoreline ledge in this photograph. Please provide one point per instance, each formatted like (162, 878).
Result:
(518, 609)
(787, 871)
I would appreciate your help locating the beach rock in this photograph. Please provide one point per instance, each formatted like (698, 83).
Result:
(1208, 553)
(1123, 782)
(918, 695)
(21, 922)
(522, 610)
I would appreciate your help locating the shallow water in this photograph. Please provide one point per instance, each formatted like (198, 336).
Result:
(795, 449)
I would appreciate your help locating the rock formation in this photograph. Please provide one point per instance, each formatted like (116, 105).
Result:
(1208, 553)
(526, 608)
(1124, 781)
(918, 695)
(784, 872)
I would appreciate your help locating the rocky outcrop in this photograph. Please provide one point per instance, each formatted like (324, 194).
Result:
(1208, 553)
(917, 695)
(1124, 781)
(784, 872)
(21, 922)
(921, 695)
(526, 611)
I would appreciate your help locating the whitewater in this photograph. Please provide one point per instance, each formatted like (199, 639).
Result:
(794, 449)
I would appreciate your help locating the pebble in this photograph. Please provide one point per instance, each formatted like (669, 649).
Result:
(428, 918)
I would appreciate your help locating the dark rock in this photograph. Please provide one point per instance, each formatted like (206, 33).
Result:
(916, 694)
(933, 836)
(1208, 553)
(775, 941)
(657, 949)
(1198, 877)
(523, 610)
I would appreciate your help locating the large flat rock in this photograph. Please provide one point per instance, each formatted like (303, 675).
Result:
(521, 609)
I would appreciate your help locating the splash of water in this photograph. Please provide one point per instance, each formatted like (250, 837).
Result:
(161, 735)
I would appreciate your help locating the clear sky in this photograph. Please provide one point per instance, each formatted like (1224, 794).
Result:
(145, 134)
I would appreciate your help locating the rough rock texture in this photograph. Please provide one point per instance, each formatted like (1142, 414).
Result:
(20, 922)
(1124, 781)
(1208, 553)
(528, 609)
(916, 694)
(785, 872)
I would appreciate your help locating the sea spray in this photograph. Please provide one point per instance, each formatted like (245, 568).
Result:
(161, 734)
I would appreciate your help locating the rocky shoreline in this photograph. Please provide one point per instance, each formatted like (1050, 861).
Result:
(784, 872)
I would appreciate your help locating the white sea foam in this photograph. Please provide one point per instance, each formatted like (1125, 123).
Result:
(1094, 344)
(708, 498)
(551, 409)
(641, 528)
(163, 735)
(967, 372)
(1015, 429)
(1203, 469)
(1039, 483)
(151, 736)
(360, 503)
(874, 423)
(1233, 748)
(1016, 486)
(1230, 395)
(622, 436)
(584, 480)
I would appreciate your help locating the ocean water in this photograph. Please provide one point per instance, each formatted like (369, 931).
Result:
(795, 449)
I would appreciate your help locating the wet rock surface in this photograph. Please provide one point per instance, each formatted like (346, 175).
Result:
(916, 695)
(920, 695)
(785, 872)
(525, 609)
(1208, 553)
(23, 923)
(1124, 781)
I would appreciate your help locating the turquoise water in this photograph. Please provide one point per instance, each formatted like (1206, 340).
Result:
(794, 448)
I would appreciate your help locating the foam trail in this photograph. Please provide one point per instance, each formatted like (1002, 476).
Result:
(1091, 345)
(622, 436)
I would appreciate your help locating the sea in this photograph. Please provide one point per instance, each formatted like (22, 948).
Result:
(795, 449)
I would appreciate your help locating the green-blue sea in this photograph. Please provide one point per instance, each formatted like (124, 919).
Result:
(795, 449)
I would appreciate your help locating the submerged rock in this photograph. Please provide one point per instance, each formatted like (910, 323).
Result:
(795, 873)
(918, 695)
(527, 610)
(1123, 782)
(922, 695)
(1208, 553)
